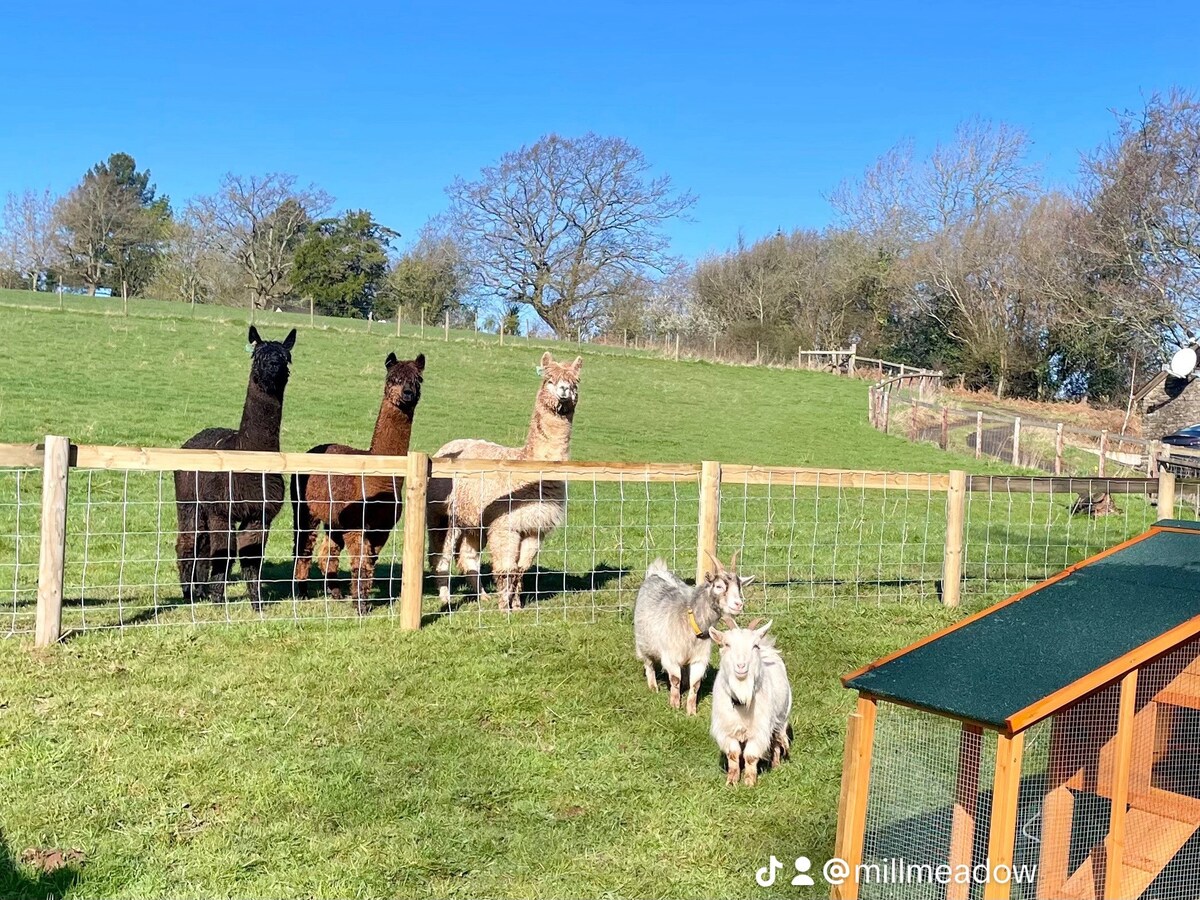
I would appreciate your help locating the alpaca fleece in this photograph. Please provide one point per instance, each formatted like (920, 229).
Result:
(219, 509)
(358, 512)
(509, 514)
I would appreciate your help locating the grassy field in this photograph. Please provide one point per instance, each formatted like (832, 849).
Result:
(332, 759)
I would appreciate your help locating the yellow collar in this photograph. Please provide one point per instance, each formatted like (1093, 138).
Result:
(695, 625)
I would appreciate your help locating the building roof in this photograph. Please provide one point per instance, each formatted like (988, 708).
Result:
(1027, 657)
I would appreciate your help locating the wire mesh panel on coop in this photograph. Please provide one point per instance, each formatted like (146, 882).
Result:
(1047, 747)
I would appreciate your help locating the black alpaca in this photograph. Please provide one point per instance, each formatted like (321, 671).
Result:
(218, 508)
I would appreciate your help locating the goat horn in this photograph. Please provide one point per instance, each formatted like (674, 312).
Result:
(733, 561)
(755, 622)
(728, 621)
(716, 562)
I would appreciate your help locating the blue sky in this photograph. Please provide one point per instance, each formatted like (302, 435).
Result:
(760, 109)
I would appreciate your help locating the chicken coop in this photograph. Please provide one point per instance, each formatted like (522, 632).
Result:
(1047, 747)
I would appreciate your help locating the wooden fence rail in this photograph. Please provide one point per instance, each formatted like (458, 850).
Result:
(56, 456)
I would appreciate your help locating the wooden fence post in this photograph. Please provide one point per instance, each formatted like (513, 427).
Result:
(887, 411)
(850, 363)
(852, 801)
(1003, 826)
(677, 346)
(447, 331)
(1166, 494)
(55, 466)
(412, 577)
(945, 436)
(710, 517)
(1016, 454)
(978, 434)
(912, 422)
(1102, 468)
(1058, 449)
(952, 559)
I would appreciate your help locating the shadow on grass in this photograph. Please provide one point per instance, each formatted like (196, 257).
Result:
(546, 584)
(19, 882)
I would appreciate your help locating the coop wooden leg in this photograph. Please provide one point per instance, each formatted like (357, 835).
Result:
(966, 799)
(1057, 813)
(852, 804)
(1120, 794)
(1004, 813)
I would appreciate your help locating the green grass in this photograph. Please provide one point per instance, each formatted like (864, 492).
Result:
(524, 758)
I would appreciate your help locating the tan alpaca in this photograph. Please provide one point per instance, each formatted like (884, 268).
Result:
(507, 513)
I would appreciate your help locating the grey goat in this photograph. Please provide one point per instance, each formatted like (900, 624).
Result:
(671, 622)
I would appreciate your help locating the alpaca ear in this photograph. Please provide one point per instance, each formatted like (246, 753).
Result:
(420, 361)
(254, 338)
(390, 361)
(546, 359)
(577, 365)
(290, 341)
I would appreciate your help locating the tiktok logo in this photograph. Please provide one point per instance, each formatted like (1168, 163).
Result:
(765, 877)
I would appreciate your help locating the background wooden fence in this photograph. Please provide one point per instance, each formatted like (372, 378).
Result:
(808, 534)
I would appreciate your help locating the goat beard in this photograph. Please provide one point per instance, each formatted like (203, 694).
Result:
(742, 690)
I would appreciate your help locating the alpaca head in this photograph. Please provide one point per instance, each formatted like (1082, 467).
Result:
(403, 385)
(271, 361)
(741, 658)
(560, 384)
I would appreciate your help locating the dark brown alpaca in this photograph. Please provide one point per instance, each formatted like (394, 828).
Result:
(217, 509)
(358, 512)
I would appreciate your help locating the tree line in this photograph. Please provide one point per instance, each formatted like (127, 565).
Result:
(963, 259)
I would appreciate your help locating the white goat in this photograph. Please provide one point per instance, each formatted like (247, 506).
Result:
(671, 623)
(752, 700)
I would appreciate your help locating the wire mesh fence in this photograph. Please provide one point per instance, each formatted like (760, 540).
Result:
(580, 536)
(917, 790)
(1021, 530)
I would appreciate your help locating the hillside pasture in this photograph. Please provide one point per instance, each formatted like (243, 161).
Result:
(525, 758)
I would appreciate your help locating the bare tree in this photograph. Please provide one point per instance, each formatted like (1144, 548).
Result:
(1144, 193)
(93, 223)
(257, 221)
(28, 225)
(565, 225)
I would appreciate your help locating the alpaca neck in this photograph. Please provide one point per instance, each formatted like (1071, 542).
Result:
(261, 419)
(393, 430)
(549, 435)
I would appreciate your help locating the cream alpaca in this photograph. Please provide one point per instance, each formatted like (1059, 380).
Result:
(507, 513)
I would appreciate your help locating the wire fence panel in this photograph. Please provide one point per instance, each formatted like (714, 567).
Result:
(591, 563)
(915, 786)
(20, 529)
(1014, 538)
(570, 541)
(834, 542)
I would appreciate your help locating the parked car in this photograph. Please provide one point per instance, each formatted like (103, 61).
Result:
(1184, 437)
(1186, 466)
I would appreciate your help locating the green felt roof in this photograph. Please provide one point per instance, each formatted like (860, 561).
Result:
(990, 669)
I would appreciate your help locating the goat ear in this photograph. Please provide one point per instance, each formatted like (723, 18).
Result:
(744, 580)
(709, 577)
(763, 630)
(254, 338)
(546, 360)
(717, 636)
(290, 341)
(391, 360)
(577, 365)
(420, 361)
